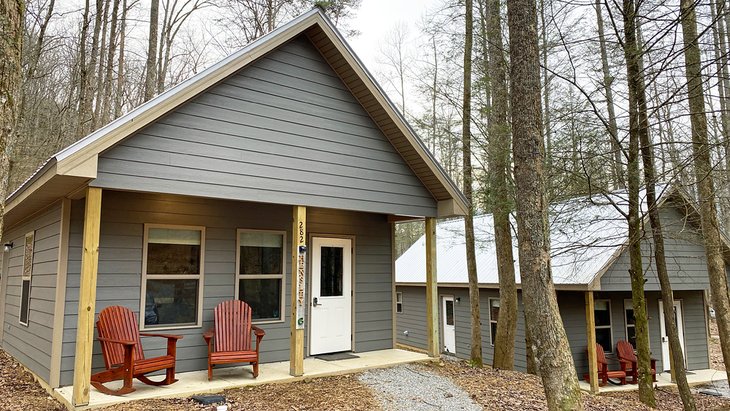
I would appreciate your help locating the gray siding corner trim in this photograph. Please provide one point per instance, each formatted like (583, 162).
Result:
(283, 130)
(60, 303)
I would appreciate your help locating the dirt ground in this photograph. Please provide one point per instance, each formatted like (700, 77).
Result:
(493, 389)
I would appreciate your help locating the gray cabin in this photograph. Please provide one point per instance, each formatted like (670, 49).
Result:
(192, 199)
(588, 240)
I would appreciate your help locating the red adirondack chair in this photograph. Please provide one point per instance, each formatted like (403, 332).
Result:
(123, 355)
(626, 352)
(232, 335)
(603, 373)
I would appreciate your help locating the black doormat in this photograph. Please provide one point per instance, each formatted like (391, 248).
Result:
(336, 356)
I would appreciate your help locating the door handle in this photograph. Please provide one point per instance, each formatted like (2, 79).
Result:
(315, 303)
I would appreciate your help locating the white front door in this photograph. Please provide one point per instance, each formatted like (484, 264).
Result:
(447, 307)
(331, 314)
(665, 339)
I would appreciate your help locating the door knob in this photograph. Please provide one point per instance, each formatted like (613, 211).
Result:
(314, 302)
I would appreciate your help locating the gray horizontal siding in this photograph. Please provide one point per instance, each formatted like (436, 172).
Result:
(686, 260)
(120, 265)
(31, 345)
(284, 130)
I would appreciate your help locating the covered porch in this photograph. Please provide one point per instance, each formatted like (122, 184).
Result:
(196, 382)
(664, 379)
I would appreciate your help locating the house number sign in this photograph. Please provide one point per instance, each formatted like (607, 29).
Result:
(301, 271)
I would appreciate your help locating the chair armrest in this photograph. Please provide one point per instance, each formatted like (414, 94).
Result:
(168, 336)
(208, 334)
(258, 331)
(623, 363)
(115, 341)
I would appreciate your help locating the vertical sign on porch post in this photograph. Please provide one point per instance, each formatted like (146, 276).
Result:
(298, 306)
(87, 297)
(434, 349)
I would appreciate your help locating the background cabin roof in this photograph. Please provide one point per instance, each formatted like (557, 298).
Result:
(587, 235)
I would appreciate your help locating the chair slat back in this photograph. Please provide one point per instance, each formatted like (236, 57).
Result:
(118, 323)
(625, 350)
(600, 354)
(232, 326)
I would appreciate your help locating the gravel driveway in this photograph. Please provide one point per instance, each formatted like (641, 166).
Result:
(413, 387)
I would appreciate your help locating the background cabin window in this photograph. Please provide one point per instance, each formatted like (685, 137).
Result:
(399, 302)
(261, 273)
(171, 287)
(26, 277)
(630, 322)
(493, 317)
(602, 314)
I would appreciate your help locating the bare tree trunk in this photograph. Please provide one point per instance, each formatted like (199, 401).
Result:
(618, 169)
(150, 83)
(120, 66)
(11, 43)
(107, 86)
(100, 72)
(552, 350)
(637, 125)
(546, 86)
(83, 72)
(499, 143)
(705, 183)
(471, 263)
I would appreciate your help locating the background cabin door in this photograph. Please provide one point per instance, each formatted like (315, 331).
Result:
(331, 314)
(665, 339)
(447, 308)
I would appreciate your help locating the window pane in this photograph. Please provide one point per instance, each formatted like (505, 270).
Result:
(603, 337)
(260, 253)
(449, 312)
(493, 310)
(602, 313)
(25, 302)
(493, 335)
(264, 297)
(170, 302)
(28, 255)
(173, 236)
(331, 272)
(630, 320)
(173, 258)
(631, 335)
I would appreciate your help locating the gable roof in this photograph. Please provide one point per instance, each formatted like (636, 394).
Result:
(587, 235)
(72, 168)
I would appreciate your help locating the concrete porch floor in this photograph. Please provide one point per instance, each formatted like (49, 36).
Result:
(695, 377)
(196, 382)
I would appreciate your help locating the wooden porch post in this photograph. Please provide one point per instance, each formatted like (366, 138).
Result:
(298, 301)
(591, 333)
(432, 317)
(87, 297)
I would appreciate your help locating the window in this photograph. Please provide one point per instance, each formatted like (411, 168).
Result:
(602, 315)
(399, 302)
(25, 279)
(261, 273)
(172, 276)
(630, 322)
(493, 317)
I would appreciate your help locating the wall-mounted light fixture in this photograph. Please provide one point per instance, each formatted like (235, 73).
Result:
(8, 246)
(458, 300)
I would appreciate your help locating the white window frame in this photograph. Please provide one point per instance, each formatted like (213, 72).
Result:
(399, 302)
(26, 277)
(610, 321)
(281, 276)
(200, 276)
(628, 304)
(491, 321)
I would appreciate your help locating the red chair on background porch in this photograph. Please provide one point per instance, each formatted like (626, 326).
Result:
(124, 359)
(603, 373)
(626, 352)
(232, 334)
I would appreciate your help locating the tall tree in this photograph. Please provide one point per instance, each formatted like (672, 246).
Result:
(471, 260)
(617, 167)
(150, 82)
(11, 42)
(545, 326)
(637, 126)
(499, 196)
(705, 182)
